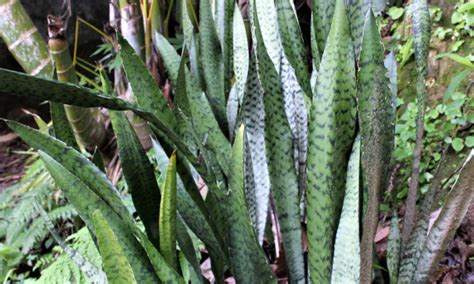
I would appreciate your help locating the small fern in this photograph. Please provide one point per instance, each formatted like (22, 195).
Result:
(63, 269)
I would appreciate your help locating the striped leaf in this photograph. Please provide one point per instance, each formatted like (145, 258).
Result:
(322, 15)
(248, 261)
(257, 180)
(421, 32)
(331, 133)
(278, 137)
(241, 66)
(75, 163)
(454, 209)
(188, 250)
(138, 173)
(86, 201)
(168, 215)
(190, 207)
(147, 93)
(393, 249)
(357, 13)
(346, 262)
(377, 128)
(205, 124)
(114, 260)
(212, 61)
(297, 115)
(24, 85)
(292, 41)
(414, 248)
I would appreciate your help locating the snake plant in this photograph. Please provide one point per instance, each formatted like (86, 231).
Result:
(259, 126)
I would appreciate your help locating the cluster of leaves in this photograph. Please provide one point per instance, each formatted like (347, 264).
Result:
(267, 89)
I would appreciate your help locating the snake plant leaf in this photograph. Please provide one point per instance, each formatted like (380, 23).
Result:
(188, 250)
(23, 85)
(315, 53)
(114, 260)
(421, 33)
(390, 64)
(191, 208)
(138, 173)
(322, 14)
(205, 124)
(89, 269)
(212, 62)
(413, 249)
(266, 14)
(162, 269)
(186, 23)
(377, 128)
(454, 209)
(293, 45)
(145, 90)
(248, 261)
(278, 138)
(240, 53)
(357, 13)
(297, 115)
(61, 126)
(75, 163)
(331, 134)
(241, 67)
(168, 215)
(227, 42)
(346, 262)
(393, 249)
(86, 201)
(257, 179)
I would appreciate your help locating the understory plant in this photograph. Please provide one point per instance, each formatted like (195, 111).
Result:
(266, 131)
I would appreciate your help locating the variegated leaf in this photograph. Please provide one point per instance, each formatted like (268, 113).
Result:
(331, 134)
(346, 261)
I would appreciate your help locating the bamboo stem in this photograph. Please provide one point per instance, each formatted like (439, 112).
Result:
(23, 39)
(89, 131)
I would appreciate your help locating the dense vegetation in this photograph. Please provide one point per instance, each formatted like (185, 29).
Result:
(214, 140)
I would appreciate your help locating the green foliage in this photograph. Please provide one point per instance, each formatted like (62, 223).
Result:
(293, 125)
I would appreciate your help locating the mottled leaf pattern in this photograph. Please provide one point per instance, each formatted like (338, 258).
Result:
(247, 258)
(331, 132)
(293, 45)
(75, 163)
(205, 124)
(346, 263)
(168, 215)
(357, 13)
(377, 128)
(297, 117)
(322, 15)
(421, 32)
(86, 201)
(443, 230)
(393, 249)
(191, 208)
(114, 261)
(147, 93)
(211, 54)
(257, 180)
(138, 173)
(278, 137)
